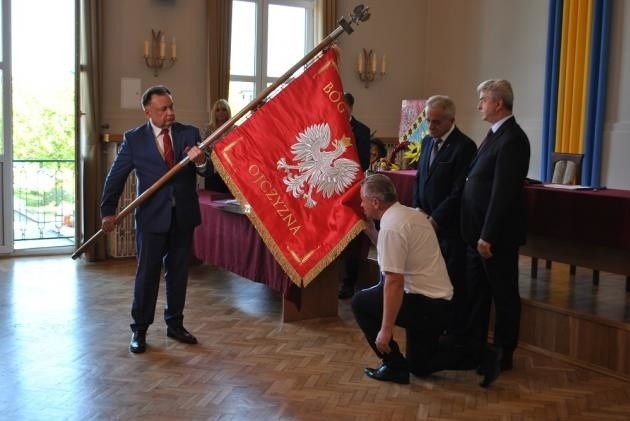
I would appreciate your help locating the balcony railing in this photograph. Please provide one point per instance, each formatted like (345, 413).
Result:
(44, 200)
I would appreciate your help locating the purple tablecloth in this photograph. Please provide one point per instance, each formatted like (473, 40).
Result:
(600, 217)
(405, 182)
(230, 241)
(591, 226)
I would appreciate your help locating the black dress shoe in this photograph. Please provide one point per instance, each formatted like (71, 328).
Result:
(138, 342)
(507, 363)
(387, 374)
(180, 334)
(490, 365)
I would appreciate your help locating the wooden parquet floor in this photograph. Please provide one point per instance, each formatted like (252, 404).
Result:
(64, 356)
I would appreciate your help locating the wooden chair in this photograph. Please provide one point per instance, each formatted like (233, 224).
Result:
(566, 169)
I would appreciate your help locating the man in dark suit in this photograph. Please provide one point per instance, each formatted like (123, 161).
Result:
(352, 254)
(165, 221)
(445, 156)
(361, 133)
(493, 222)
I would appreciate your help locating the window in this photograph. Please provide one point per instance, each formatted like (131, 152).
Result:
(42, 116)
(268, 37)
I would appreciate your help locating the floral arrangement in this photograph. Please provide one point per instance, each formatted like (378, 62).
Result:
(391, 162)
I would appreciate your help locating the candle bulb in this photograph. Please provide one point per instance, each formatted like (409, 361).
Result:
(372, 62)
(162, 46)
(146, 48)
(174, 49)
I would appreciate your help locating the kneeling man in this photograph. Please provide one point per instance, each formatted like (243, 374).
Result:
(414, 292)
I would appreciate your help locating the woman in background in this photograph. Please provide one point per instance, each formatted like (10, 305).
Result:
(219, 114)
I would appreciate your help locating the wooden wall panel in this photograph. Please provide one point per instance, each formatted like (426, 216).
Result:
(582, 339)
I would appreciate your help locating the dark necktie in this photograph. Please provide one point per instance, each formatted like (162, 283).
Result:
(486, 140)
(168, 149)
(435, 149)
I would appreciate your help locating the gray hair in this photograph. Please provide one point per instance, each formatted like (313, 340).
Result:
(381, 187)
(444, 102)
(500, 89)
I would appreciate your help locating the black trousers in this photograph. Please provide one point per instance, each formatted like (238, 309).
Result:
(353, 256)
(170, 250)
(494, 280)
(423, 319)
(453, 250)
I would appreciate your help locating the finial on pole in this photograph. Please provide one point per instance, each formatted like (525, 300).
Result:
(360, 13)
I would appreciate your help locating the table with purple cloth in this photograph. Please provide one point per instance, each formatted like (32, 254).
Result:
(405, 182)
(586, 228)
(229, 240)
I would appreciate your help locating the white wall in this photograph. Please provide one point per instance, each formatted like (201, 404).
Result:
(616, 148)
(395, 29)
(432, 46)
(448, 47)
(126, 25)
(468, 42)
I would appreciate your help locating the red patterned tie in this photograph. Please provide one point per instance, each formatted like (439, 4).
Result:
(168, 149)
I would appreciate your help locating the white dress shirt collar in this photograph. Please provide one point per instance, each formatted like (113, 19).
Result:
(447, 134)
(498, 124)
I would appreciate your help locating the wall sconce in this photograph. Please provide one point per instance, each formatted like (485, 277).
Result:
(367, 65)
(155, 52)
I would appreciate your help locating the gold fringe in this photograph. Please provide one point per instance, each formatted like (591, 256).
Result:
(271, 243)
(334, 253)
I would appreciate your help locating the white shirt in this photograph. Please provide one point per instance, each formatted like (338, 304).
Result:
(159, 141)
(498, 124)
(159, 137)
(407, 244)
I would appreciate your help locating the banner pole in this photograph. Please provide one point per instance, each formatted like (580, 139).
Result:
(359, 14)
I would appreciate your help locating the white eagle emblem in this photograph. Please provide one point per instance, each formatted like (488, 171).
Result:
(318, 169)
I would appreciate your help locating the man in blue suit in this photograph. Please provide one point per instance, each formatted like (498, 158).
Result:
(165, 221)
(445, 156)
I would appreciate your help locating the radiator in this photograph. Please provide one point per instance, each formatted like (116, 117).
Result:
(122, 241)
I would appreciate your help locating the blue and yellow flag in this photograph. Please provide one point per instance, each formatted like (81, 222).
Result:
(575, 85)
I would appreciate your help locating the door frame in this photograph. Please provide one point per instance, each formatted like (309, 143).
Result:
(6, 158)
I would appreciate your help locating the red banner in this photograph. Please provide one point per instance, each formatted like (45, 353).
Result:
(293, 166)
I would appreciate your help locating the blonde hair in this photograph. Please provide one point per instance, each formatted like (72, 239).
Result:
(213, 113)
